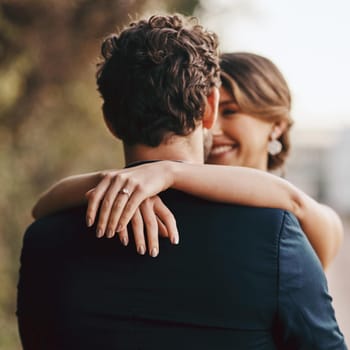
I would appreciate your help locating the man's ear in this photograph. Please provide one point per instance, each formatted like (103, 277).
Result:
(211, 108)
(110, 128)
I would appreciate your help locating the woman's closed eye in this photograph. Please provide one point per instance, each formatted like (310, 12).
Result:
(228, 108)
(228, 111)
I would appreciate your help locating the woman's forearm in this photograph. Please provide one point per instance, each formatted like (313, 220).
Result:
(66, 193)
(239, 185)
(252, 187)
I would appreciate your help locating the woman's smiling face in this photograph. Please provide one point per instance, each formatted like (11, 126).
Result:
(239, 139)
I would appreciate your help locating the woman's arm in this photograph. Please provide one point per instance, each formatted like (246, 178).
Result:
(320, 223)
(66, 193)
(239, 185)
(152, 217)
(323, 228)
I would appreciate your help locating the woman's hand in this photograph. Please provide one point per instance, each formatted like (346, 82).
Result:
(130, 195)
(156, 219)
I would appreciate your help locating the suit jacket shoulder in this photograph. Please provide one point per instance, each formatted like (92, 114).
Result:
(306, 318)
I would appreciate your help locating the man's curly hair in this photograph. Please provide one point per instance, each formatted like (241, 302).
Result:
(154, 78)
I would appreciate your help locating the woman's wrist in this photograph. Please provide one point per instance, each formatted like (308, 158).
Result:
(170, 169)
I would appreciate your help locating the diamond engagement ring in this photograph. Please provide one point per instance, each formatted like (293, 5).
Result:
(125, 191)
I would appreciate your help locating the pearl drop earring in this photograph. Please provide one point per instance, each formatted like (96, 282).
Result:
(274, 146)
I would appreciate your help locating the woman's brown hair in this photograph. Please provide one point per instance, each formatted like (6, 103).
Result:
(261, 91)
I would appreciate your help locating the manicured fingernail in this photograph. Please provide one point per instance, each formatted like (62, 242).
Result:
(109, 233)
(119, 228)
(141, 249)
(89, 222)
(99, 233)
(175, 240)
(154, 252)
(125, 241)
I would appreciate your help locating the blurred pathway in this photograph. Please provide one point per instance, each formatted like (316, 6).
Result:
(339, 284)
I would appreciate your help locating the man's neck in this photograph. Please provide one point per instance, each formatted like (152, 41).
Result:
(180, 148)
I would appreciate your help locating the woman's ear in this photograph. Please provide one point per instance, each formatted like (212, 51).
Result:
(279, 128)
(211, 108)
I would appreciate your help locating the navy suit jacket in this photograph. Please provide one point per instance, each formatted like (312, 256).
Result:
(241, 278)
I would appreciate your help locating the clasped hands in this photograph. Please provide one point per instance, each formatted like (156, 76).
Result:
(131, 195)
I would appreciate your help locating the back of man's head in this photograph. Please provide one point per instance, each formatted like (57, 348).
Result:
(154, 78)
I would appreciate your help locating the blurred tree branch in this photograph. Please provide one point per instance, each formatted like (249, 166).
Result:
(55, 41)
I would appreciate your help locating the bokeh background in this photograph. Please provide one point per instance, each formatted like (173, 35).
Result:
(51, 125)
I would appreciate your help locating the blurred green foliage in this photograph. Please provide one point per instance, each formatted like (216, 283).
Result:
(50, 120)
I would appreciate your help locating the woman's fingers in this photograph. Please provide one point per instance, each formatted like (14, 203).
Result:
(162, 230)
(109, 202)
(121, 199)
(137, 227)
(117, 208)
(150, 222)
(124, 236)
(167, 218)
(134, 202)
(95, 197)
